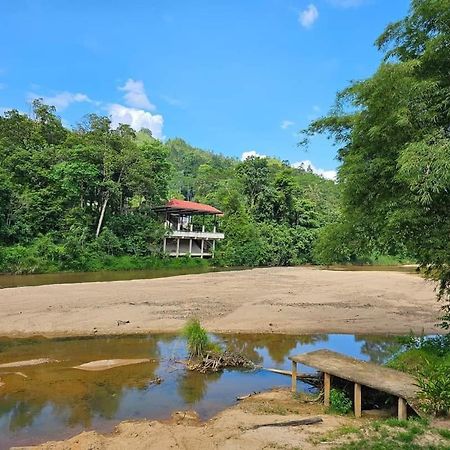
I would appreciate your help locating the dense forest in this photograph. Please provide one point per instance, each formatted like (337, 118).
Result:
(82, 198)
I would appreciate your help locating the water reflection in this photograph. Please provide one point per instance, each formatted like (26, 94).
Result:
(278, 346)
(55, 401)
(378, 348)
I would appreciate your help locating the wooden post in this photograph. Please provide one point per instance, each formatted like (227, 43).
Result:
(357, 400)
(402, 409)
(164, 245)
(202, 248)
(213, 247)
(190, 247)
(178, 247)
(294, 377)
(326, 389)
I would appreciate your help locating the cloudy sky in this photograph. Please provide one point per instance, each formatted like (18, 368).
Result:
(238, 77)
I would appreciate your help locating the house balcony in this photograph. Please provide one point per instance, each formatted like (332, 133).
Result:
(206, 235)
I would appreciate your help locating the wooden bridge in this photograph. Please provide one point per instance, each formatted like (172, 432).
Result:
(361, 373)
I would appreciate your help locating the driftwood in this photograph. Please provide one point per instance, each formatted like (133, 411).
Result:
(290, 423)
(246, 396)
(214, 361)
(309, 378)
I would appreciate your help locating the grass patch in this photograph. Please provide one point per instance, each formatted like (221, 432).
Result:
(443, 432)
(392, 434)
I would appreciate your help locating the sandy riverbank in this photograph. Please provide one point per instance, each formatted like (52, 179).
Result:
(295, 300)
(232, 429)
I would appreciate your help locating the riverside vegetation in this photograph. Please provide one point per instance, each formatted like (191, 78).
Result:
(81, 199)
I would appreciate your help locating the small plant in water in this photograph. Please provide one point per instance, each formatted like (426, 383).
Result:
(198, 342)
(339, 402)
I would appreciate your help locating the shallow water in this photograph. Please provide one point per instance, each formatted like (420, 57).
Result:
(9, 281)
(57, 401)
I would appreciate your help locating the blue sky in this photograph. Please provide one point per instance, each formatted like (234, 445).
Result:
(232, 76)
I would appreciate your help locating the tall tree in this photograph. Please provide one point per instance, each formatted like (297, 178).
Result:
(394, 137)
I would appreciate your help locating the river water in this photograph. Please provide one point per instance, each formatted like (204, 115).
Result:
(9, 280)
(56, 401)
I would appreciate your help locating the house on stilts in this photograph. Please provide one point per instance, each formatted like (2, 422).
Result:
(186, 235)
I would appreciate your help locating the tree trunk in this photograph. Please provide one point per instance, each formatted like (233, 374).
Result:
(102, 216)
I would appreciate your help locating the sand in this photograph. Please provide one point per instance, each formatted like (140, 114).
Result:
(106, 364)
(229, 430)
(294, 300)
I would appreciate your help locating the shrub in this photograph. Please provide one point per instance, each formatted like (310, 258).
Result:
(434, 384)
(339, 402)
(197, 338)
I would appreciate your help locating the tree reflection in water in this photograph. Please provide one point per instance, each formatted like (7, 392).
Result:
(278, 346)
(379, 348)
(193, 385)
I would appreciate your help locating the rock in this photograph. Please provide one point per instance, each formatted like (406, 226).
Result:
(186, 417)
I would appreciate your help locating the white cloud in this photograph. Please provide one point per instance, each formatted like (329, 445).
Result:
(328, 174)
(136, 118)
(250, 153)
(286, 124)
(62, 100)
(308, 16)
(347, 3)
(135, 95)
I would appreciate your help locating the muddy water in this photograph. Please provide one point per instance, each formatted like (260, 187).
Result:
(55, 401)
(9, 281)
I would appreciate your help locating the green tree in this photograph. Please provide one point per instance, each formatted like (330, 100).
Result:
(394, 137)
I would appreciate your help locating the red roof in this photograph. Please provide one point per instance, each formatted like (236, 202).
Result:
(184, 206)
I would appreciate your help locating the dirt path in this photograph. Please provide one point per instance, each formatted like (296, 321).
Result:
(294, 300)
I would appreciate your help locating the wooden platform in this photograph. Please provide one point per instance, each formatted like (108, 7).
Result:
(361, 373)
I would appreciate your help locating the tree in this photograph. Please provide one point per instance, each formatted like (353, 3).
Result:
(394, 136)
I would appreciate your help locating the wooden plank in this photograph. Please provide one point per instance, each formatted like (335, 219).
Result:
(294, 377)
(357, 371)
(402, 409)
(372, 375)
(326, 389)
(357, 400)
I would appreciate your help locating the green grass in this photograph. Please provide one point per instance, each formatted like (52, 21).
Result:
(198, 341)
(393, 434)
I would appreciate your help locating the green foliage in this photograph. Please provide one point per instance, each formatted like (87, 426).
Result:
(82, 199)
(434, 384)
(198, 342)
(339, 402)
(396, 434)
(394, 147)
(428, 359)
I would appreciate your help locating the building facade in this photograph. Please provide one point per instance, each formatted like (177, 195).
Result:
(186, 232)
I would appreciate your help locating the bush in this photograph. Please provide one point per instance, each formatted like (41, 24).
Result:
(434, 384)
(339, 402)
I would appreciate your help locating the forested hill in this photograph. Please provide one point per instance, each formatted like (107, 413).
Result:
(81, 199)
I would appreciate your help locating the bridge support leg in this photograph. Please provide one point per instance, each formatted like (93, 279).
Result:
(294, 377)
(326, 389)
(357, 400)
(402, 409)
